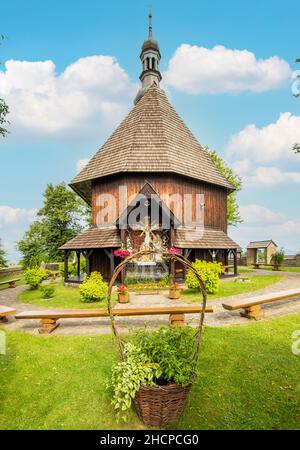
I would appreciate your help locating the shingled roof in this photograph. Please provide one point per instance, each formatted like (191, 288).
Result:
(260, 244)
(152, 138)
(94, 238)
(207, 238)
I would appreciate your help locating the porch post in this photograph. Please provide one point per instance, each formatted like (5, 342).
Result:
(66, 261)
(110, 255)
(78, 263)
(87, 254)
(172, 263)
(123, 240)
(235, 262)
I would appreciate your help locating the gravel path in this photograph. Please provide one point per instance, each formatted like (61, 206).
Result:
(220, 317)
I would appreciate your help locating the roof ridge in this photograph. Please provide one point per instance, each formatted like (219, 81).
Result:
(201, 148)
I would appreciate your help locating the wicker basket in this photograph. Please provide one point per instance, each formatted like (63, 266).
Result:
(159, 406)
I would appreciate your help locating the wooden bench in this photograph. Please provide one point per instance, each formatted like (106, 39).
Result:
(274, 266)
(11, 283)
(49, 318)
(228, 267)
(6, 311)
(252, 306)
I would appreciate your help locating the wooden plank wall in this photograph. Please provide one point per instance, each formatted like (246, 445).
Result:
(215, 197)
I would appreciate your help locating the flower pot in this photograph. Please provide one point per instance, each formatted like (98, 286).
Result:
(159, 406)
(174, 293)
(123, 297)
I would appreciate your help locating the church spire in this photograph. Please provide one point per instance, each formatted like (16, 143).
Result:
(150, 26)
(150, 57)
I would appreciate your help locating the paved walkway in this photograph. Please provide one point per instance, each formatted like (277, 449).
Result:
(220, 317)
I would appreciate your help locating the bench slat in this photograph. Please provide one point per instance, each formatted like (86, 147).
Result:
(260, 300)
(14, 280)
(117, 312)
(6, 311)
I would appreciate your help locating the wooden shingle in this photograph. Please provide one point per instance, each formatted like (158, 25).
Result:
(152, 138)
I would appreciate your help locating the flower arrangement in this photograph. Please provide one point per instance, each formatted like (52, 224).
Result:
(123, 294)
(122, 253)
(174, 250)
(122, 288)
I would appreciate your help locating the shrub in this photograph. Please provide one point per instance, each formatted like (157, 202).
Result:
(130, 280)
(47, 290)
(278, 257)
(210, 274)
(93, 288)
(34, 277)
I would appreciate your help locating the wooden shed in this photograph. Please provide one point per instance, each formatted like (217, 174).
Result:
(260, 252)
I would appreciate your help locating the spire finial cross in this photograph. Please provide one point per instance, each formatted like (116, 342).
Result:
(150, 22)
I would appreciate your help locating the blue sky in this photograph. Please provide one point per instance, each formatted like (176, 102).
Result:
(218, 69)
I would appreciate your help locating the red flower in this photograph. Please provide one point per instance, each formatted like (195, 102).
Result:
(122, 288)
(122, 253)
(174, 250)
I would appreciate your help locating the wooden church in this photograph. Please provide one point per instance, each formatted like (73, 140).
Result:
(152, 186)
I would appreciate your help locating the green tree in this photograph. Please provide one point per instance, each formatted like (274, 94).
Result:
(3, 261)
(4, 110)
(62, 216)
(233, 213)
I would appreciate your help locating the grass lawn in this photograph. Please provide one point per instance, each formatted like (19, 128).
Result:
(249, 379)
(228, 288)
(12, 277)
(64, 297)
(243, 269)
(282, 268)
(290, 269)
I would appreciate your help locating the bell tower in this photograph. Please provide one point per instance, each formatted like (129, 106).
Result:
(150, 57)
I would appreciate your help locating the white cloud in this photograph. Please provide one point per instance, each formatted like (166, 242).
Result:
(268, 144)
(93, 90)
(10, 215)
(259, 214)
(81, 163)
(198, 70)
(261, 223)
(271, 176)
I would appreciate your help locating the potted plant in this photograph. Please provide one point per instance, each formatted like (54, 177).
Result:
(156, 368)
(161, 360)
(175, 291)
(123, 294)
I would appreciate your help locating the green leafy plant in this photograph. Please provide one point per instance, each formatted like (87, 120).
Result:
(278, 257)
(210, 274)
(130, 280)
(34, 277)
(167, 280)
(162, 356)
(129, 375)
(47, 290)
(93, 289)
